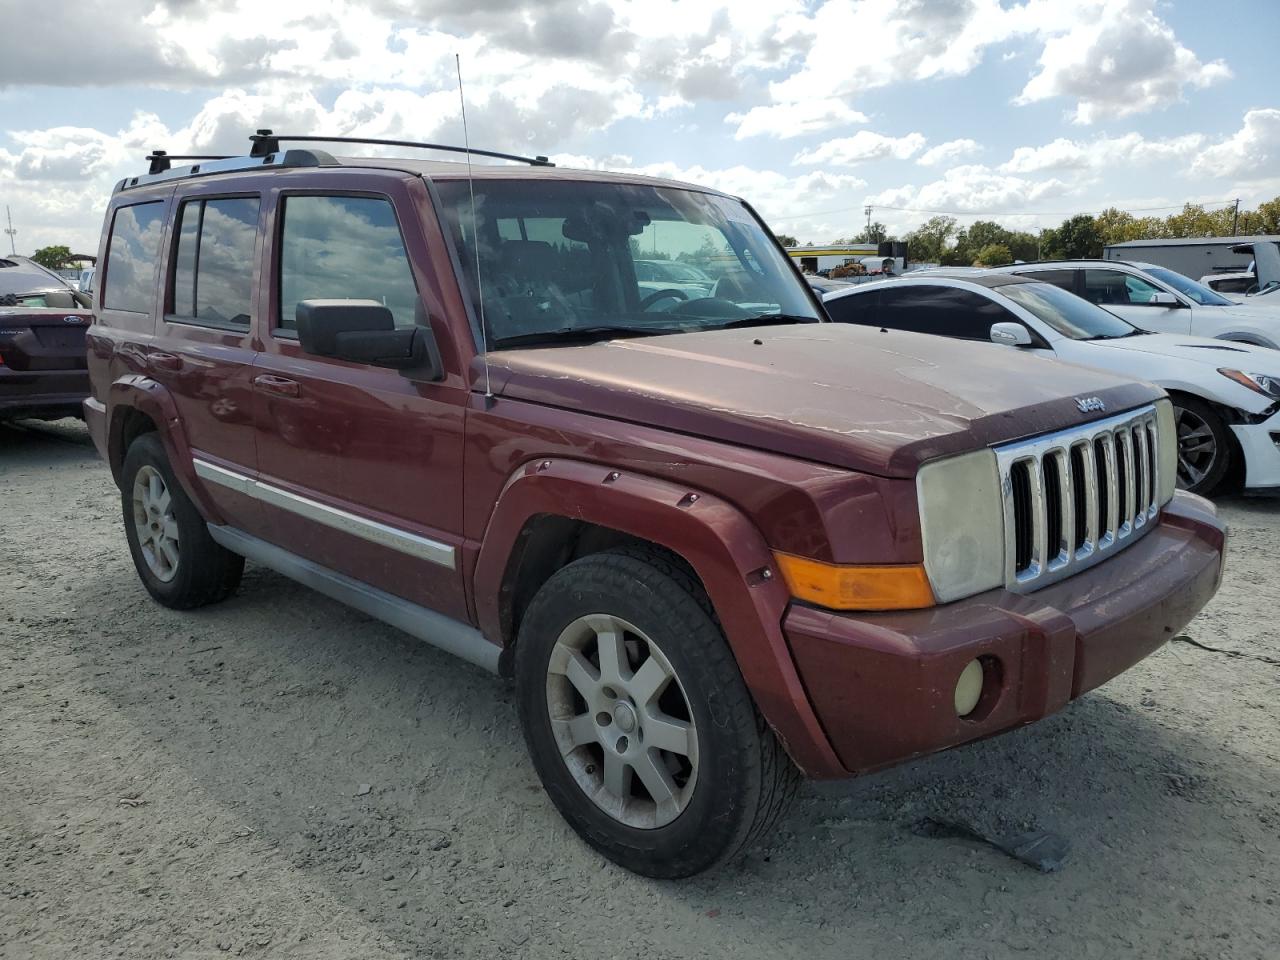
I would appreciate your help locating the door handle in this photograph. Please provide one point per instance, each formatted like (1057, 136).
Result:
(280, 386)
(164, 361)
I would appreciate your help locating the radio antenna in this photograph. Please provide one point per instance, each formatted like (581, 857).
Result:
(475, 233)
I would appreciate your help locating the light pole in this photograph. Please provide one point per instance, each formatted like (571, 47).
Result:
(10, 231)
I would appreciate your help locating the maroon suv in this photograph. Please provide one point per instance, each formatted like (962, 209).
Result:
(716, 540)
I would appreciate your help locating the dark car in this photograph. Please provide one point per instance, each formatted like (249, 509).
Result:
(43, 372)
(716, 540)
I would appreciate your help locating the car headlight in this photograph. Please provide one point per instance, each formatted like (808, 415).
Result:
(962, 524)
(1167, 449)
(1262, 383)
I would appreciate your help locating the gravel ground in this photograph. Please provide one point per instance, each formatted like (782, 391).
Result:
(278, 776)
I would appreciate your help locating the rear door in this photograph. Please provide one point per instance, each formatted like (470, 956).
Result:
(1129, 296)
(204, 347)
(362, 467)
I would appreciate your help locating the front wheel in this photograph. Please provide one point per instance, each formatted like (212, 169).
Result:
(1204, 445)
(637, 718)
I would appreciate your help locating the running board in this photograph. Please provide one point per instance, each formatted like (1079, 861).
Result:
(460, 639)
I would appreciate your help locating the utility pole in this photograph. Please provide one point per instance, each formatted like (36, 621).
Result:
(867, 232)
(11, 232)
(1235, 220)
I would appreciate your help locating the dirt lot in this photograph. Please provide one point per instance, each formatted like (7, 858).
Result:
(193, 786)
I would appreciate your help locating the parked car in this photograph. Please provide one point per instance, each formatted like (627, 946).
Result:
(1158, 299)
(1226, 396)
(823, 285)
(655, 276)
(43, 373)
(715, 544)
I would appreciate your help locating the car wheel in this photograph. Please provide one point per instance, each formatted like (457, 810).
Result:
(638, 721)
(1204, 445)
(179, 563)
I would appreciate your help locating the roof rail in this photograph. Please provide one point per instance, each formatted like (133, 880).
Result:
(266, 143)
(161, 170)
(161, 161)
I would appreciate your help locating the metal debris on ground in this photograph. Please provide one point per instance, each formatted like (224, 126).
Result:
(1042, 849)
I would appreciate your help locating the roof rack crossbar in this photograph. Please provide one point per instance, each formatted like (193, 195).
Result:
(265, 142)
(161, 161)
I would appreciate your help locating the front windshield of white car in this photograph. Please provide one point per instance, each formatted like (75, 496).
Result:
(1071, 316)
(1189, 288)
(563, 261)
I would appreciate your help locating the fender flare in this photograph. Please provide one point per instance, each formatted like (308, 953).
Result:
(722, 545)
(136, 391)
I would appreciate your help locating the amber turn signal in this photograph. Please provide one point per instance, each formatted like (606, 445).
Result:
(838, 587)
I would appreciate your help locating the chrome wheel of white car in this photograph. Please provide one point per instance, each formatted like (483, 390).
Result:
(622, 721)
(155, 523)
(1197, 448)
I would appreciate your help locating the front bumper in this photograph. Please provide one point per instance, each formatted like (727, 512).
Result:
(48, 394)
(1260, 443)
(883, 685)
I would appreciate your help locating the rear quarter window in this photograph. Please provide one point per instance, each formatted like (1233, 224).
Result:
(854, 308)
(132, 256)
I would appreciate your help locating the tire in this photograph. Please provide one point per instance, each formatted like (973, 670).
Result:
(183, 571)
(1205, 447)
(733, 779)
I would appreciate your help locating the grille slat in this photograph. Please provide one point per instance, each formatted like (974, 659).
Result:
(1075, 496)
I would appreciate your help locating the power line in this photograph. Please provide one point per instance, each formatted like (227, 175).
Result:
(995, 213)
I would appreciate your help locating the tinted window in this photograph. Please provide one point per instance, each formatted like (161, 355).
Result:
(131, 257)
(1066, 313)
(1066, 279)
(1115, 288)
(854, 308)
(213, 275)
(344, 248)
(945, 311)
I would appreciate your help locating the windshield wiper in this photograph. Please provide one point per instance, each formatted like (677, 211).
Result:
(765, 320)
(569, 335)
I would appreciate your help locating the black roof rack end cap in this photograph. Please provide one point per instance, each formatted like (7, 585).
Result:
(159, 161)
(264, 143)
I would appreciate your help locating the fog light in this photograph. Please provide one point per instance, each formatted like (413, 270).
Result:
(969, 688)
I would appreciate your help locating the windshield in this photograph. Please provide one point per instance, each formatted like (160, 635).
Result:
(559, 259)
(1189, 288)
(1071, 316)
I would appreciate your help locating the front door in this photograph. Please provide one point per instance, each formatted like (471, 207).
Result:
(360, 468)
(1129, 296)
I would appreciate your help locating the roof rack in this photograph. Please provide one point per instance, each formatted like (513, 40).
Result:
(161, 161)
(266, 143)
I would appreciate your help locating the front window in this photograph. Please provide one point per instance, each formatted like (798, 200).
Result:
(1067, 313)
(567, 260)
(1197, 292)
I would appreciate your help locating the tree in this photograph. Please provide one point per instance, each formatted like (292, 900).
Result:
(1076, 239)
(1023, 246)
(993, 255)
(929, 240)
(51, 257)
(876, 232)
(787, 240)
(1266, 219)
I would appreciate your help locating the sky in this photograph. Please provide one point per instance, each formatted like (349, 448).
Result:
(1023, 111)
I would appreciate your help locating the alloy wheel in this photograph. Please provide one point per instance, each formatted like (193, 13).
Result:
(155, 523)
(622, 721)
(1197, 448)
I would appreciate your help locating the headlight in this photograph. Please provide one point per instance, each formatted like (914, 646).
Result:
(1167, 448)
(1262, 383)
(962, 524)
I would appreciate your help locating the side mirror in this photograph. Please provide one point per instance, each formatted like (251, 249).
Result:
(1163, 299)
(1010, 334)
(364, 331)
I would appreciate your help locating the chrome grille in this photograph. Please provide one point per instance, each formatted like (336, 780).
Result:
(1073, 498)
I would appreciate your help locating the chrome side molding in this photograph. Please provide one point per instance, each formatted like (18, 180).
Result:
(452, 636)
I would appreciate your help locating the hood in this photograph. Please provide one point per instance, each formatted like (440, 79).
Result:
(1258, 309)
(840, 394)
(1213, 353)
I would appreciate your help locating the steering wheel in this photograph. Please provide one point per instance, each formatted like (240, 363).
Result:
(658, 295)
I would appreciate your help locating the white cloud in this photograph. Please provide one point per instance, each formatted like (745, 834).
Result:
(861, 147)
(785, 120)
(1251, 153)
(948, 152)
(971, 189)
(1103, 155)
(1118, 59)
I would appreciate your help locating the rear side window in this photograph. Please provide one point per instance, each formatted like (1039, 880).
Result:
(344, 248)
(1111, 287)
(132, 256)
(854, 308)
(944, 311)
(1066, 279)
(213, 269)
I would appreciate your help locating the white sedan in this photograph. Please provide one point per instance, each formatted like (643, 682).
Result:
(1226, 396)
(1160, 300)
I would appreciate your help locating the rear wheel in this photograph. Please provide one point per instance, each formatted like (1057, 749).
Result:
(1204, 445)
(638, 721)
(178, 562)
